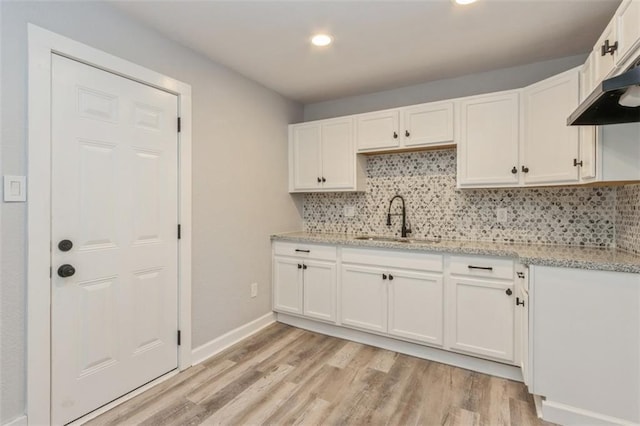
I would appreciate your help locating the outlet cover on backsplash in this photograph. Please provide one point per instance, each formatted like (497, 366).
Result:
(436, 208)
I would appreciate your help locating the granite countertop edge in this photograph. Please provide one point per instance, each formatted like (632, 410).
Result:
(579, 257)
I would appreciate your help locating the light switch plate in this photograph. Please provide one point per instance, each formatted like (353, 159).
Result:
(15, 189)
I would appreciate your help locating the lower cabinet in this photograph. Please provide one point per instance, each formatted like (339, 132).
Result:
(482, 318)
(364, 298)
(402, 303)
(305, 286)
(465, 304)
(585, 339)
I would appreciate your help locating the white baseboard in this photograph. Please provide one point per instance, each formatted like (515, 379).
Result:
(18, 421)
(221, 343)
(419, 351)
(572, 416)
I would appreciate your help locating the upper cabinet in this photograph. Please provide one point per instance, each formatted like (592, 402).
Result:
(488, 146)
(322, 157)
(417, 126)
(378, 130)
(618, 45)
(550, 148)
(628, 29)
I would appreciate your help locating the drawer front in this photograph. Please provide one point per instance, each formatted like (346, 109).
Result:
(305, 250)
(482, 266)
(394, 259)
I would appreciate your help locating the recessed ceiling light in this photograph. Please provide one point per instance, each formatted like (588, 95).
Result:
(465, 1)
(321, 40)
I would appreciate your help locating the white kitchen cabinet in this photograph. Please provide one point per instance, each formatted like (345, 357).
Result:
(585, 336)
(481, 307)
(605, 52)
(287, 288)
(482, 317)
(416, 306)
(378, 130)
(428, 124)
(489, 135)
(587, 77)
(628, 30)
(305, 280)
(319, 290)
(393, 292)
(423, 125)
(550, 148)
(364, 297)
(322, 157)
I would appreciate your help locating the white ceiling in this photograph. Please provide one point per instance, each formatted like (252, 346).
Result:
(378, 44)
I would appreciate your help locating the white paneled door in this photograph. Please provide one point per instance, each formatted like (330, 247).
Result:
(114, 237)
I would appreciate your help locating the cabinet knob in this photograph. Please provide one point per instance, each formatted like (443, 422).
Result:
(319, 180)
(514, 170)
(509, 292)
(384, 276)
(299, 266)
(323, 180)
(304, 266)
(395, 135)
(525, 169)
(406, 133)
(577, 163)
(519, 302)
(609, 48)
(390, 277)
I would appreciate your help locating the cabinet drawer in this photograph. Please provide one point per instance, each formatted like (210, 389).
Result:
(482, 266)
(394, 259)
(305, 250)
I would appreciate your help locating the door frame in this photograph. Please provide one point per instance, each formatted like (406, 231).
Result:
(42, 45)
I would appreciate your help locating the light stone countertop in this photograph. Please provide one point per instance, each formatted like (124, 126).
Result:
(529, 254)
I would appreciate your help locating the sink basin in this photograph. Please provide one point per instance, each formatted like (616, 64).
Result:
(394, 239)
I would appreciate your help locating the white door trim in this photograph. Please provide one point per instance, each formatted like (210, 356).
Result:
(42, 44)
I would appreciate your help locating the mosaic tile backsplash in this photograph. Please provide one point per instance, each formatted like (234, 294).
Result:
(435, 208)
(628, 218)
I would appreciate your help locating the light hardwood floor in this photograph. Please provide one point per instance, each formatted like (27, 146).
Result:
(285, 375)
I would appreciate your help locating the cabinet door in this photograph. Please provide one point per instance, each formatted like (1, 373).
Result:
(306, 156)
(482, 318)
(338, 154)
(378, 130)
(364, 298)
(587, 77)
(428, 124)
(588, 153)
(319, 293)
(550, 147)
(415, 306)
(628, 29)
(604, 64)
(488, 146)
(287, 285)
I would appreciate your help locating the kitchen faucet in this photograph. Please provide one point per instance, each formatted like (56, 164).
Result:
(405, 230)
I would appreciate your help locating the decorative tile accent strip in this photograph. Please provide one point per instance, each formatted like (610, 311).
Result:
(435, 208)
(628, 218)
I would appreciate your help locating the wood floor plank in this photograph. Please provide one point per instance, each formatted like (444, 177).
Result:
(288, 376)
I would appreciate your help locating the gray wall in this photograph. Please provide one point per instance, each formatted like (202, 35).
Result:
(239, 173)
(475, 84)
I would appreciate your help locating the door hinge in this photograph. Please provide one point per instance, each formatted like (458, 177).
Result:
(179, 338)
(179, 125)
(179, 231)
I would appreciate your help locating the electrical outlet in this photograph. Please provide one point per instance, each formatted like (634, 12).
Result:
(501, 215)
(254, 289)
(349, 211)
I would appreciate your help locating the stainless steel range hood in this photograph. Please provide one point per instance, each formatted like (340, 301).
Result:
(603, 105)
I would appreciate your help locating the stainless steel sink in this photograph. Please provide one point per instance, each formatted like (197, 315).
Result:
(395, 239)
